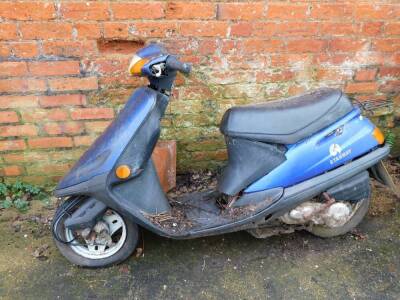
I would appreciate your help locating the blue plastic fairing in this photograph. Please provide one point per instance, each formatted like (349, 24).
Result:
(105, 151)
(152, 50)
(348, 138)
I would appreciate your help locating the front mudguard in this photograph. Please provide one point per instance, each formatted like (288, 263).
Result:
(380, 173)
(86, 215)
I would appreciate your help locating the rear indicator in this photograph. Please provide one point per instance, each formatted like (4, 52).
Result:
(378, 135)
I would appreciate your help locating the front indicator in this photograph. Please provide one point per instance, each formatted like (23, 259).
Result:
(135, 67)
(122, 171)
(378, 135)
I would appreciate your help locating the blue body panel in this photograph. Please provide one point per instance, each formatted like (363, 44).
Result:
(104, 152)
(346, 139)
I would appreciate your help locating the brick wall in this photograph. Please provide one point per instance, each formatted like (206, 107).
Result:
(63, 68)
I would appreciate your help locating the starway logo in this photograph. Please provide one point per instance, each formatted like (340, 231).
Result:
(337, 154)
(335, 149)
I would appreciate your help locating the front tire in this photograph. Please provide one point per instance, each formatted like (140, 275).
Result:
(87, 256)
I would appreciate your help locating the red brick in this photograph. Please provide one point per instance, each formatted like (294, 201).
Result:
(366, 75)
(5, 50)
(164, 157)
(73, 83)
(12, 170)
(392, 29)
(372, 28)
(327, 11)
(241, 29)
(52, 68)
(282, 60)
(337, 28)
(154, 29)
(375, 11)
(46, 31)
(361, 87)
(368, 58)
(306, 45)
(267, 29)
(92, 113)
(24, 11)
(390, 86)
(24, 49)
(18, 101)
(347, 45)
(287, 11)
(207, 47)
(18, 85)
(137, 10)
(40, 115)
(386, 45)
(84, 140)
(190, 10)
(389, 72)
(370, 97)
(260, 46)
(330, 74)
(207, 29)
(50, 142)
(396, 58)
(11, 145)
(63, 128)
(8, 117)
(96, 126)
(284, 75)
(18, 130)
(69, 49)
(240, 11)
(13, 68)
(8, 31)
(116, 30)
(85, 10)
(62, 100)
(88, 30)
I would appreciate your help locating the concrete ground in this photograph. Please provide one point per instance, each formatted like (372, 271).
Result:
(361, 265)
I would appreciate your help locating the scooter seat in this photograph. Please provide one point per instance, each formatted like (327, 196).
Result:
(286, 121)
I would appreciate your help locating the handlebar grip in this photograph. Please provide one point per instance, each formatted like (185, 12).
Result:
(174, 64)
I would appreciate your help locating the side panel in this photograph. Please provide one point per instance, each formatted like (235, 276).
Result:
(349, 138)
(247, 162)
(102, 155)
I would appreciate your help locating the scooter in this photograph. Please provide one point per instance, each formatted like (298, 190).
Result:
(298, 163)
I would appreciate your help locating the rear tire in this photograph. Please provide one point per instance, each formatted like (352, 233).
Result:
(129, 245)
(327, 232)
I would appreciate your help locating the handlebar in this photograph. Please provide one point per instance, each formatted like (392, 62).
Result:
(173, 63)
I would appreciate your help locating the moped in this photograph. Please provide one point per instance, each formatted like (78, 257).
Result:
(299, 163)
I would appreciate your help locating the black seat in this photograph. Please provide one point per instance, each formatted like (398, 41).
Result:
(286, 121)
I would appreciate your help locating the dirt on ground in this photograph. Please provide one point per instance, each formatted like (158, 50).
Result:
(364, 264)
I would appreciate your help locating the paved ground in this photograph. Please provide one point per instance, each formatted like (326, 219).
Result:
(234, 266)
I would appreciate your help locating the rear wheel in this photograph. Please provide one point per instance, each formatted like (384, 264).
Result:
(112, 240)
(360, 209)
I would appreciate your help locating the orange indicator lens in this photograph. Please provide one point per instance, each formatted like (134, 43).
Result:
(378, 135)
(123, 172)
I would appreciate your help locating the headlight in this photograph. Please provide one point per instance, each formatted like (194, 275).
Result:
(135, 67)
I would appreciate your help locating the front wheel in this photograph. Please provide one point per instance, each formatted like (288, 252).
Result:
(112, 240)
(359, 211)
